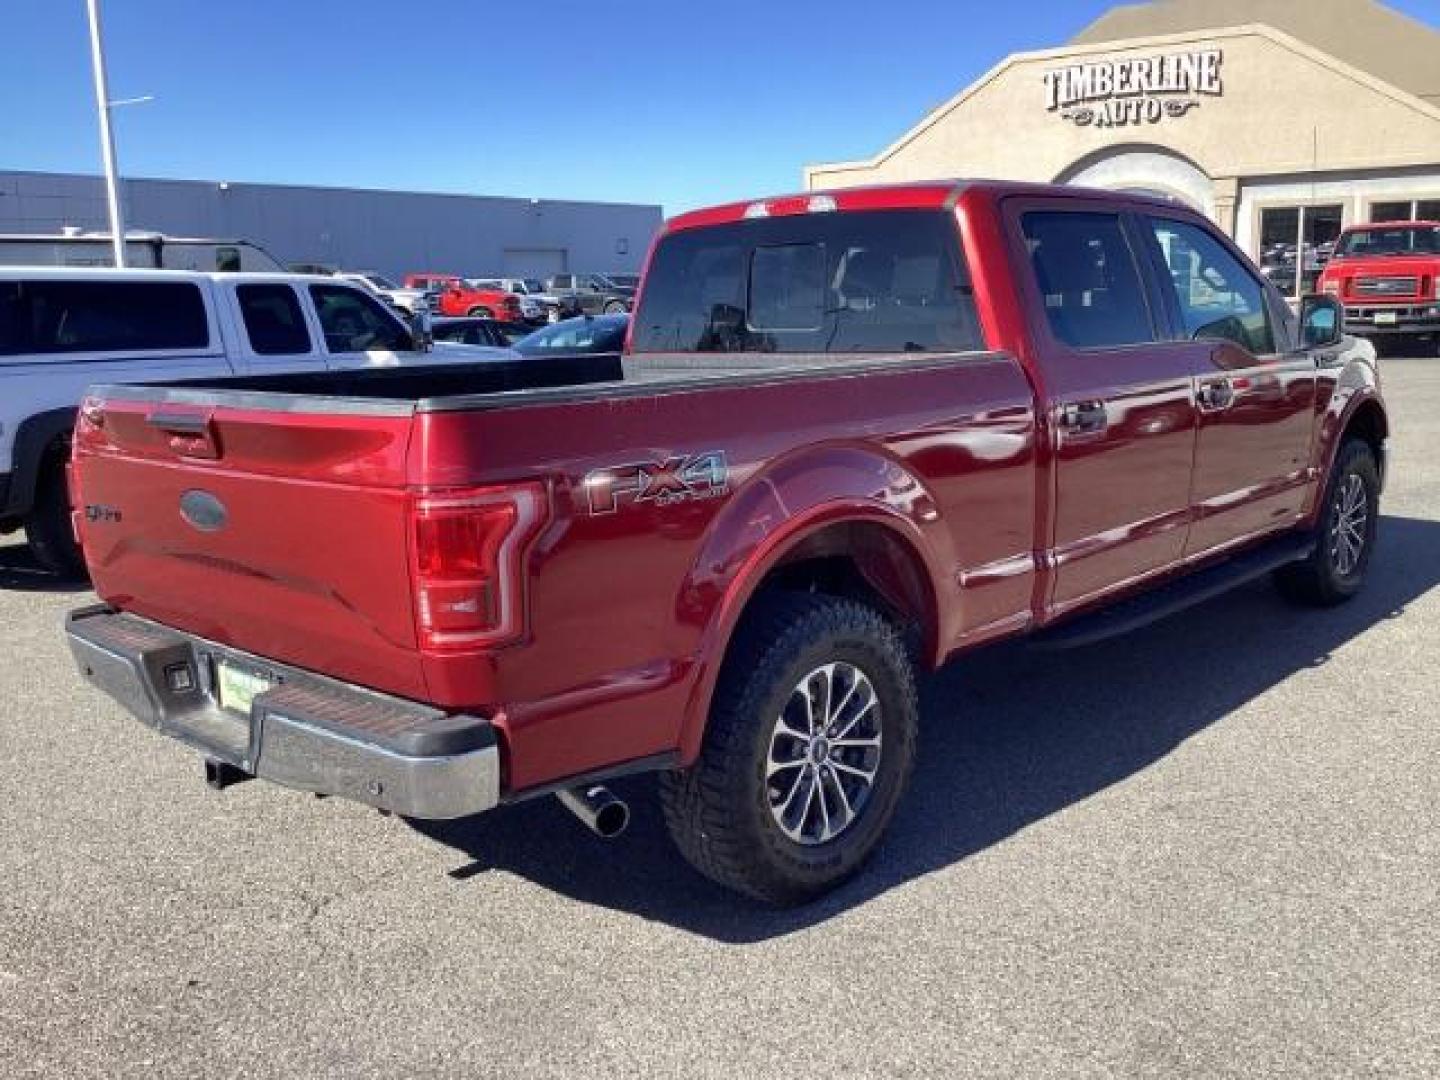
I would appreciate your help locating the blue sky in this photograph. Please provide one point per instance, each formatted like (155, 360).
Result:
(680, 104)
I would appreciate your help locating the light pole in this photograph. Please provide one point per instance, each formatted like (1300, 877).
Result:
(107, 137)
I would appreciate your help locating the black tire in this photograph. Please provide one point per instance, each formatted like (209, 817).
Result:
(1326, 578)
(47, 526)
(614, 308)
(480, 313)
(719, 812)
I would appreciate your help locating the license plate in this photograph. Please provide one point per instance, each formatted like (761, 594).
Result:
(238, 688)
(1386, 318)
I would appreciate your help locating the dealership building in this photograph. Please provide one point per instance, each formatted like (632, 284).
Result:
(1283, 120)
(391, 232)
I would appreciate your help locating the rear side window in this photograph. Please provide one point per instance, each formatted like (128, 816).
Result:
(1088, 279)
(882, 281)
(354, 322)
(46, 317)
(273, 320)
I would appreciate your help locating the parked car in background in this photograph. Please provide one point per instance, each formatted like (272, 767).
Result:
(143, 250)
(539, 306)
(591, 294)
(857, 433)
(585, 335)
(468, 330)
(406, 299)
(61, 330)
(468, 296)
(1387, 276)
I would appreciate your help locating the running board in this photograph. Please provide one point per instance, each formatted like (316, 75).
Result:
(1184, 591)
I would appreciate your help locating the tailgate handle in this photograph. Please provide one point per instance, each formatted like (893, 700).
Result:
(191, 434)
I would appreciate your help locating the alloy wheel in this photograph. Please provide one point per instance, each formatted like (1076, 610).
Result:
(824, 754)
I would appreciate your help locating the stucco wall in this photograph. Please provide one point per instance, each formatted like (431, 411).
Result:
(1285, 109)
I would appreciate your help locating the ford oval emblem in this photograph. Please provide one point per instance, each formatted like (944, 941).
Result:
(203, 510)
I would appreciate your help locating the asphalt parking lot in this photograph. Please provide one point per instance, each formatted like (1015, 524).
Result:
(1209, 849)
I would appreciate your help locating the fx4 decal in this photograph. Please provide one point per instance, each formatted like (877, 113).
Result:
(674, 480)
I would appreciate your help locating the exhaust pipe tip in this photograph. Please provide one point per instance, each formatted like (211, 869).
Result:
(597, 806)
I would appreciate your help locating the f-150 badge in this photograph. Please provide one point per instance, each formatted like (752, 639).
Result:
(674, 480)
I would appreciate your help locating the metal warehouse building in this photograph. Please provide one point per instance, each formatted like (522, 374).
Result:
(387, 231)
(1284, 120)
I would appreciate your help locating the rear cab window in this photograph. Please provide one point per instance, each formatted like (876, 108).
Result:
(53, 318)
(274, 321)
(886, 281)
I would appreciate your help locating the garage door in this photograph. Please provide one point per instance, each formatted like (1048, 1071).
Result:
(534, 262)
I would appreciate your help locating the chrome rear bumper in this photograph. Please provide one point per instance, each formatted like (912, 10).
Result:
(306, 731)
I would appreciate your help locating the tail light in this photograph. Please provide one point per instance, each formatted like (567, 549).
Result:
(468, 563)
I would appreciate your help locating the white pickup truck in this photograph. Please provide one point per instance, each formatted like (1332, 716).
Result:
(63, 329)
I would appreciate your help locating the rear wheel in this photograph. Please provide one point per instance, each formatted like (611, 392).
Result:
(47, 527)
(615, 307)
(810, 744)
(1335, 570)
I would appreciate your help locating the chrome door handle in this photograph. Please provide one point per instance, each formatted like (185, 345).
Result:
(1216, 395)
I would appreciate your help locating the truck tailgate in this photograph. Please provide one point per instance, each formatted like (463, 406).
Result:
(280, 531)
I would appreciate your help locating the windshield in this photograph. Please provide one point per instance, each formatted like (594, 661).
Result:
(625, 281)
(1404, 240)
(585, 335)
(380, 282)
(534, 285)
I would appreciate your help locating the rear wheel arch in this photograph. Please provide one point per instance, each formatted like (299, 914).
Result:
(866, 554)
(39, 439)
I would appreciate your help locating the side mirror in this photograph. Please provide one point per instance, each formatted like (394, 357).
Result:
(421, 328)
(1321, 321)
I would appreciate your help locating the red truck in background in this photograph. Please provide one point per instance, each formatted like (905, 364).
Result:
(456, 295)
(854, 434)
(1387, 276)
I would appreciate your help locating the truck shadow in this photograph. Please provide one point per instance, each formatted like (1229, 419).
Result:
(1010, 735)
(19, 572)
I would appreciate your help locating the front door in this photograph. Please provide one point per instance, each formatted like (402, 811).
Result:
(1119, 400)
(1255, 395)
(358, 329)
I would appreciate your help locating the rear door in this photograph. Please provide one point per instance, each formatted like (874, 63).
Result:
(357, 329)
(1118, 402)
(275, 333)
(1255, 392)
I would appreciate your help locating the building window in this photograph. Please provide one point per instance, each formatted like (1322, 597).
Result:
(1295, 244)
(1406, 210)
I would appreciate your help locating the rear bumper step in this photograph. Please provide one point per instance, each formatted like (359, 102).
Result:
(301, 730)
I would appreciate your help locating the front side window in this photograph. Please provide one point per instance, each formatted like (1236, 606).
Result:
(888, 281)
(274, 322)
(90, 316)
(354, 322)
(1218, 297)
(1088, 279)
(227, 260)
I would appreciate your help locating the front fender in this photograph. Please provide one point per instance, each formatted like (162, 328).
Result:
(772, 513)
(1356, 387)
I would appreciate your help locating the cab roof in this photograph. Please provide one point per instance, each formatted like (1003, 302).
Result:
(919, 195)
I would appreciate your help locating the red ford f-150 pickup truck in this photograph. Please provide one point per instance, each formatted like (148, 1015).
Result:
(1387, 275)
(853, 434)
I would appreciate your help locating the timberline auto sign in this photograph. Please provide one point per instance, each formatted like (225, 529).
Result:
(1120, 93)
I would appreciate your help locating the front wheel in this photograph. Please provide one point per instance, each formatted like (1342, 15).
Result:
(810, 744)
(614, 308)
(479, 313)
(1335, 570)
